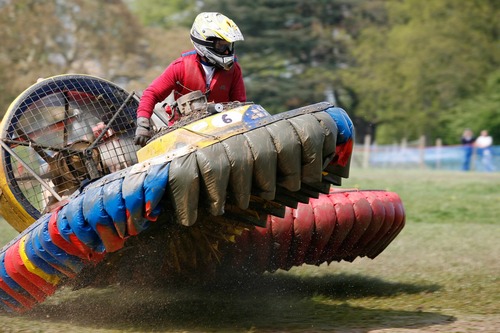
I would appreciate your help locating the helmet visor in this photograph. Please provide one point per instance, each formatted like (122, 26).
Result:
(222, 47)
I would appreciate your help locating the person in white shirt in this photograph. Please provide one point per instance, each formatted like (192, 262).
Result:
(483, 144)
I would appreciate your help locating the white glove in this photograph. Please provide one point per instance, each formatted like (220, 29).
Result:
(143, 131)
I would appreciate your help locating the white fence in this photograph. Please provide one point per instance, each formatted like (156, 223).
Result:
(417, 155)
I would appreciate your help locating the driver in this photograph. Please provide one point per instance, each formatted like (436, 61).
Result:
(211, 68)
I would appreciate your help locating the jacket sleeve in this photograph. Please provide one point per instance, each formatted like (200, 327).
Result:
(159, 89)
(238, 92)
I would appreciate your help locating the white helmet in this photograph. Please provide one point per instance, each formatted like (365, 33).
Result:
(209, 29)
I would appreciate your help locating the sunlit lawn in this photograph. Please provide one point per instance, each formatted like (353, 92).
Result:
(443, 269)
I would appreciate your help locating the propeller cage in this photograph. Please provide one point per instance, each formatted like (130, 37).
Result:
(62, 132)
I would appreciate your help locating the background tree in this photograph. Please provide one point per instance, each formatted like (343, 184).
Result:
(46, 38)
(410, 72)
(404, 68)
(166, 14)
(165, 28)
(291, 49)
(477, 112)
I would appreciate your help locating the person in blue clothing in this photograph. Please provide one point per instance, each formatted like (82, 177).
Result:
(468, 144)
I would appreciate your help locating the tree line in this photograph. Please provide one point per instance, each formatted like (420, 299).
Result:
(400, 68)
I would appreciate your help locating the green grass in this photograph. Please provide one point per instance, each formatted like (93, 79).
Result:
(441, 274)
(437, 196)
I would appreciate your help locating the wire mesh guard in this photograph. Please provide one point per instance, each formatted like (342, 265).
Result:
(62, 132)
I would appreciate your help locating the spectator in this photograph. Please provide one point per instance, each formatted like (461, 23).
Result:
(483, 144)
(468, 144)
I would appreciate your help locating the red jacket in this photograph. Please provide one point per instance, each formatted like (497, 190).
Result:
(186, 74)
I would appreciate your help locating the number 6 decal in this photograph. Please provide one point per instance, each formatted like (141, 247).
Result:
(226, 118)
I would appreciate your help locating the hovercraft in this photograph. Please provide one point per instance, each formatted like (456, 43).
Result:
(229, 185)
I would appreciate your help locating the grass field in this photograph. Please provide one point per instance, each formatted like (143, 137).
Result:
(441, 274)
